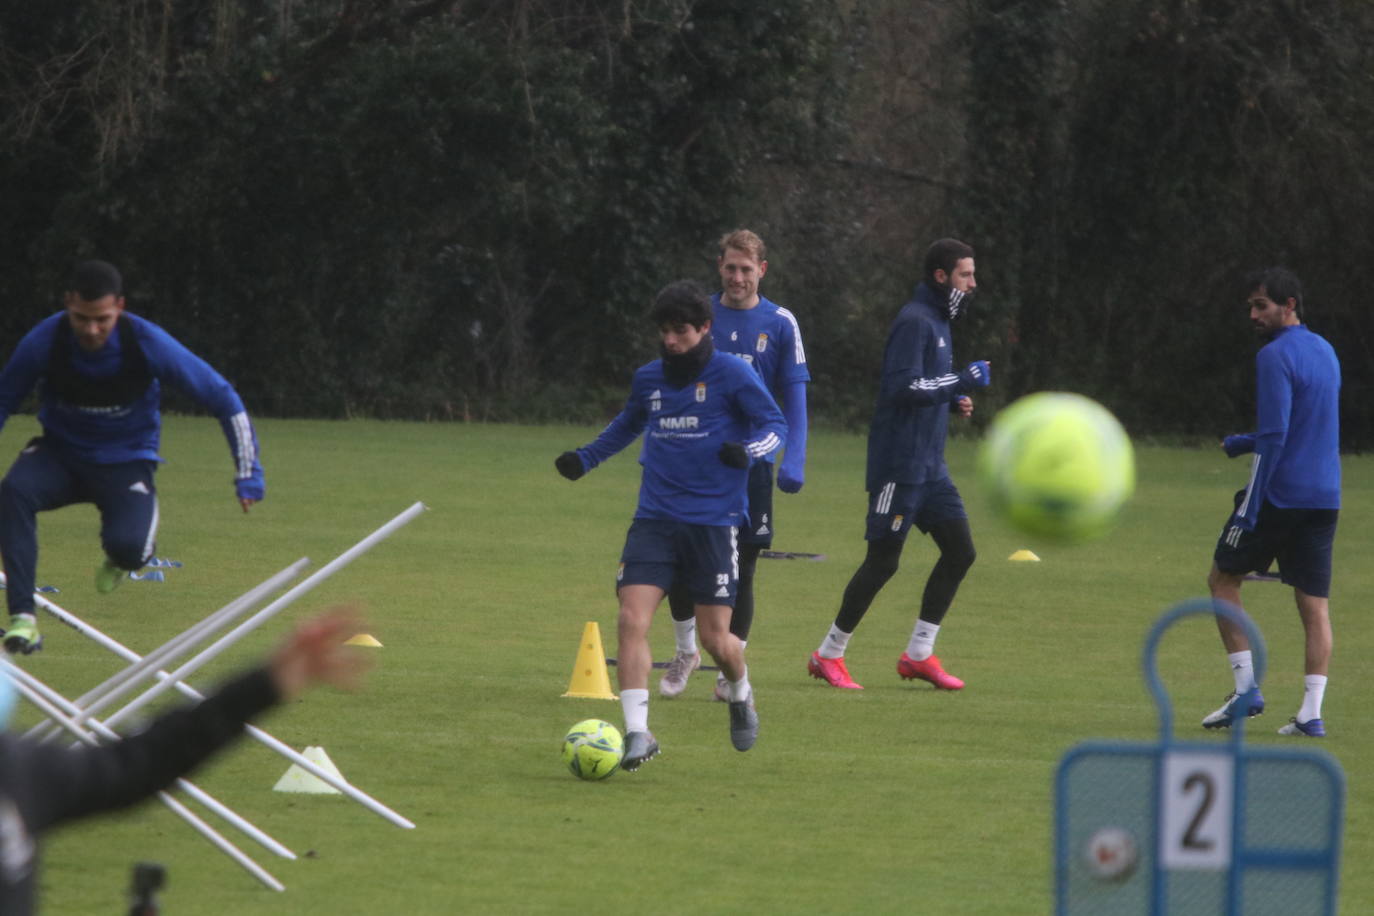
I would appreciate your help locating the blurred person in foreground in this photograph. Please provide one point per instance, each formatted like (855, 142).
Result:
(43, 785)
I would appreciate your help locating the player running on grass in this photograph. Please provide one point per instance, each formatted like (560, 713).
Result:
(705, 417)
(102, 371)
(1288, 509)
(908, 482)
(766, 336)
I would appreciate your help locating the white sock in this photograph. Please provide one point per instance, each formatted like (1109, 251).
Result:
(635, 705)
(685, 632)
(1314, 689)
(1242, 669)
(922, 642)
(740, 689)
(834, 644)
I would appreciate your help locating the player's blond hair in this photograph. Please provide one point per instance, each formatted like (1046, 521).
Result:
(745, 241)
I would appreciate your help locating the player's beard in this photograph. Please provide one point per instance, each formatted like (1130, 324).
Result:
(680, 368)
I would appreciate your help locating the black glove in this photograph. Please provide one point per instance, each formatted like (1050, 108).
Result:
(569, 465)
(734, 455)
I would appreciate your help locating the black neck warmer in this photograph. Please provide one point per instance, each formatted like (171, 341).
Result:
(955, 301)
(123, 388)
(681, 368)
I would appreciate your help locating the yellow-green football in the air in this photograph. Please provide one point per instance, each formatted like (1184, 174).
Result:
(592, 749)
(1058, 465)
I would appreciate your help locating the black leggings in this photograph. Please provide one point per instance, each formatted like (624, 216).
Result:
(955, 541)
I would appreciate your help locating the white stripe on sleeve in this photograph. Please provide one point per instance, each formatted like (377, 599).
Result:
(800, 353)
(245, 453)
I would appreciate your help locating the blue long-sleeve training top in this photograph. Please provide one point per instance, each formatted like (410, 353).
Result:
(684, 428)
(1297, 462)
(120, 432)
(906, 438)
(768, 338)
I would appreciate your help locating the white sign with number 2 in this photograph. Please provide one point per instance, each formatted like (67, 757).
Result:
(1196, 801)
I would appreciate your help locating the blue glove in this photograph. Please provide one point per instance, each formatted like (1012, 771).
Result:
(250, 487)
(790, 479)
(1238, 522)
(977, 375)
(1238, 445)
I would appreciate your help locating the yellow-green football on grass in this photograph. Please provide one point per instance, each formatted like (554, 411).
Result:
(1057, 465)
(592, 749)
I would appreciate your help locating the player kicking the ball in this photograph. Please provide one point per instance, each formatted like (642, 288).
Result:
(706, 417)
(908, 481)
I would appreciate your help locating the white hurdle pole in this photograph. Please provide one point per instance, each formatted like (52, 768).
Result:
(258, 734)
(36, 693)
(253, 731)
(120, 683)
(224, 642)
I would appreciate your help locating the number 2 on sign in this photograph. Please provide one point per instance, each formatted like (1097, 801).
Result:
(1196, 801)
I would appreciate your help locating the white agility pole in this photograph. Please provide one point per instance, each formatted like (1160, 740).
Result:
(96, 698)
(29, 689)
(253, 731)
(224, 642)
(262, 737)
(120, 683)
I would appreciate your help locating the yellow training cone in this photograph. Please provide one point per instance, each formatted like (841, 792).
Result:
(363, 639)
(589, 677)
(1024, 556)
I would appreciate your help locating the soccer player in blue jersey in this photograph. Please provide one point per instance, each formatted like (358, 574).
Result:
(766, 336)
(908, 482)
(1287, 512)
(100, 371)
(706, 418)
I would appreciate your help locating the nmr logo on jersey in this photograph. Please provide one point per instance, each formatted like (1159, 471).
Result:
(677, 422)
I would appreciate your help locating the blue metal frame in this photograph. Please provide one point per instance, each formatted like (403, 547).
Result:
(1242, 856)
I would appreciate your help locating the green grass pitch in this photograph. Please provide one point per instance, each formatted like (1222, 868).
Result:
(894, 799)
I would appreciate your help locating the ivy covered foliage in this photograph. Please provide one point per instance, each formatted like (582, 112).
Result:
(460, 209)
(403, 209)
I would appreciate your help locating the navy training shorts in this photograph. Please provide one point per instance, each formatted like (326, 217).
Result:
(1301, 540)
(704, 559)
(894, 508)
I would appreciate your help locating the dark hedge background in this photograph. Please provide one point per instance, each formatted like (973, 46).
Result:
(460, 210)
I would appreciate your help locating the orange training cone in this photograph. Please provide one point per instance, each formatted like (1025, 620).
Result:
(589, 677)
